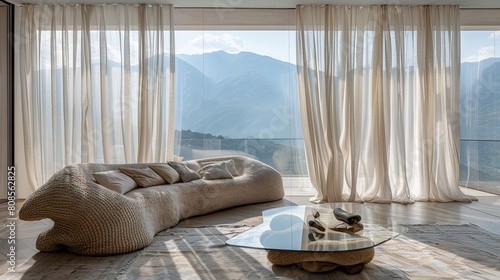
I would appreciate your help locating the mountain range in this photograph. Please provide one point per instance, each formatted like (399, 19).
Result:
(252, 98)
(246, 95)
(480, 100)
(242, 95)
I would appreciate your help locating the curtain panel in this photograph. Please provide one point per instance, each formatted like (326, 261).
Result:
(97, 85)
(379, 96)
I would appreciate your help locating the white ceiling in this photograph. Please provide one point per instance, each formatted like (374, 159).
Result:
(465, 4)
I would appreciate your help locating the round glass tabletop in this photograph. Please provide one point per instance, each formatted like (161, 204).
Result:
(315, 229)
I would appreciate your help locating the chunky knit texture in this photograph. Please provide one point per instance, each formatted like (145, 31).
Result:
(92, 220)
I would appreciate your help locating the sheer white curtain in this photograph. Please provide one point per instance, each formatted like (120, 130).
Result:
(379, 94)
(96, 85)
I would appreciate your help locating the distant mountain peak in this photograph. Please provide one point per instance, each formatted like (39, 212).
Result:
(484, 61)
(226, 54)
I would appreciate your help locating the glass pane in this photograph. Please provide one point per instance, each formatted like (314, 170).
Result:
(236, 93)
(480, 111)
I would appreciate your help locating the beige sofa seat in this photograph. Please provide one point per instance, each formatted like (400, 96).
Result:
(92, 220)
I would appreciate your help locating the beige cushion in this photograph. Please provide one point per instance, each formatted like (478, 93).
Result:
(166, 172)
(186, 173)
(215, 171)
(231, 167)
(115, 181)
(144, 177)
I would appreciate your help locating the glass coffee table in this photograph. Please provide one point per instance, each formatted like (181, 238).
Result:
(291, 235)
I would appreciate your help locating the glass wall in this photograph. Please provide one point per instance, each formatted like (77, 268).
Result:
(480, 109)
(237, 91)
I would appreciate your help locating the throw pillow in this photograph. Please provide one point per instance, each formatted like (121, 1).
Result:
(215, 171)
(166, 172)
(115, 181)
(231, 167)
(186, 173)
(144, 177)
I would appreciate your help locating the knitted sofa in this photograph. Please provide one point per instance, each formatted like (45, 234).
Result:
(92, 220)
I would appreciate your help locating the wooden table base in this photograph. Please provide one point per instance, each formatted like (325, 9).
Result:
(352, 261)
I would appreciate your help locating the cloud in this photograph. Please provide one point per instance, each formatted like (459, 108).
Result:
(485, 52)
(482, 53)
(495, 35)
(210, 43)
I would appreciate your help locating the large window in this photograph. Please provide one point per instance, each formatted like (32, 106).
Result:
(480, 108)
(236, 93)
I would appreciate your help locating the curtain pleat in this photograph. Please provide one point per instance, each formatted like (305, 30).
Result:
(99, 85)
(379, 92)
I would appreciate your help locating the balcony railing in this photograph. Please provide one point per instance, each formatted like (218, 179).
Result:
(479, 158)
(286, 155)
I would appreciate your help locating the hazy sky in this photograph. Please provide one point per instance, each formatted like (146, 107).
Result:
(277, 44)
(476, 45)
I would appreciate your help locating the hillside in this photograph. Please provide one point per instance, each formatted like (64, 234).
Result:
(237, 95)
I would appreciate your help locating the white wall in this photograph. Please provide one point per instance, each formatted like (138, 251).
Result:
(4, 49)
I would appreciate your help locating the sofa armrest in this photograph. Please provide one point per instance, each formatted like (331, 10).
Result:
(87, 217)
